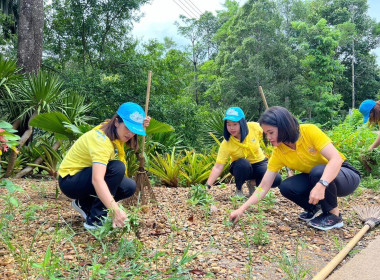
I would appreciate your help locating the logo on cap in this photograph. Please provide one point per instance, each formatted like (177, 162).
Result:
(232, 112)
(137, 117)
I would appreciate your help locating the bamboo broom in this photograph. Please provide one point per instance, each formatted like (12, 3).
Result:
(144, 190)
(371, 217)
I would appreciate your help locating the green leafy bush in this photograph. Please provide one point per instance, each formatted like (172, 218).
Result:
(195, 168)
(166, 167)
(352, 138)
(371, 162)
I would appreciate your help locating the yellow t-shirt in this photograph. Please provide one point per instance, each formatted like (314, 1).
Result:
(249, 149)
(92, 147)
(307, 154)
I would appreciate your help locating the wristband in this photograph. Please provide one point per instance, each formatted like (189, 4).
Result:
(324, 183)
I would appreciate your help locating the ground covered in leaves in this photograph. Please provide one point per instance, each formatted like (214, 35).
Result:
(42, 236)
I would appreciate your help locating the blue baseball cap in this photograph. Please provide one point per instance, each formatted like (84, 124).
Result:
(365, 108)
(234, 114)
(133, 116)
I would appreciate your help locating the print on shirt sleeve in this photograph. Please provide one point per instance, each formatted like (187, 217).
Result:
(100, 136)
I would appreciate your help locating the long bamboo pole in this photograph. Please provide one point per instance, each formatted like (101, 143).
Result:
(341, 255)
(146, 107)
(263, 97)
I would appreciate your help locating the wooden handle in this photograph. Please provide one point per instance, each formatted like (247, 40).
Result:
(148, 92)
(263, 97)
(146, 107)
(338, 258)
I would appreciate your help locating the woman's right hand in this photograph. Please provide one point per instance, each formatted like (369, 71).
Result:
(119, 218)
(235, 216)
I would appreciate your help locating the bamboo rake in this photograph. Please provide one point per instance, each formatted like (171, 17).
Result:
(371, 217)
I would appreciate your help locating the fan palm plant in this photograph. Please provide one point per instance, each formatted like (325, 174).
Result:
(40, 93)
(9, 80)
(214, 126)
(76, 109)
(68, 125)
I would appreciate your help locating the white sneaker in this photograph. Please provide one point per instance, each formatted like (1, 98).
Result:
(76, 206)
(90, 227)
(239, 193)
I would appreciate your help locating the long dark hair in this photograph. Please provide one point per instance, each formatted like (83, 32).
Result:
(374, 114)
(287, 124)
(243, 130)
(110, 131)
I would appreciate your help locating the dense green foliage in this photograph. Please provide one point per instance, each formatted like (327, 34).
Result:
(306, 54)
(299, 51)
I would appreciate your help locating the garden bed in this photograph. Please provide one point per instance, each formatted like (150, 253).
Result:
(46, 237)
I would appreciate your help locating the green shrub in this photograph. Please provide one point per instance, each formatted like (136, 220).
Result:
(352, 138)
(195, 168)
(166, 167)
(200, 196)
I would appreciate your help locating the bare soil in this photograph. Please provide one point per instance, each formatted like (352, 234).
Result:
(222, 250)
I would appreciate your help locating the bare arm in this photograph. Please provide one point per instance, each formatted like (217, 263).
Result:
(215, 172)
(375, 144)
(329, 174)
(102, 191)
(259, 194)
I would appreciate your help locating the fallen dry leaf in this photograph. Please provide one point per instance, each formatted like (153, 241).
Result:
(197, 272)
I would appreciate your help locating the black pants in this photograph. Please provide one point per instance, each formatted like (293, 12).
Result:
(80, 187)
(298, 187)
(243, 170)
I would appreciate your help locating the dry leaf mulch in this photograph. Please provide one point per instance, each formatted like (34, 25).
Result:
(172, 225)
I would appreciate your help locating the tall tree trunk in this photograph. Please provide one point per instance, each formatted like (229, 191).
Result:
(29, 55)
(30, 35)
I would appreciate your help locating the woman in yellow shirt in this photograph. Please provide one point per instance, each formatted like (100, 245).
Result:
(324, 172)
(90, 173)
(241, 143)
(371, 112)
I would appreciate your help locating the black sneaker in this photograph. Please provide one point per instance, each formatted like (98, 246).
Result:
(309, 215)
(251, 184)
(75, 204)
(327, 221)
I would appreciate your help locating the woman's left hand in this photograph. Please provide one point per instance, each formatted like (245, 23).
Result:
(146, 121)
(317, 194)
